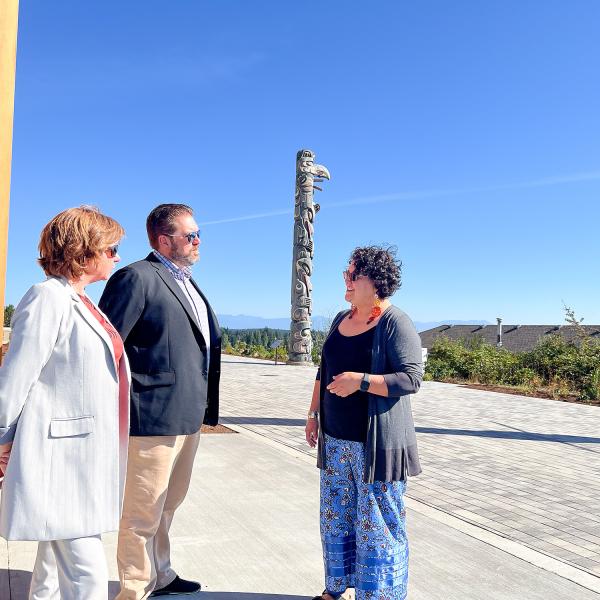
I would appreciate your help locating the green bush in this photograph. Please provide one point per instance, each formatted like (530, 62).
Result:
(591, 385)
(488, 364)
(554, 357)
(241, 348)
(526, 377)
(447, 360)
(561, 367)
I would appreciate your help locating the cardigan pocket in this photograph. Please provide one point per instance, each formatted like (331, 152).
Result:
(60, 428)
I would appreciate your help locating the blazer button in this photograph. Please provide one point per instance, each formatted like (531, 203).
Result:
(205, 373)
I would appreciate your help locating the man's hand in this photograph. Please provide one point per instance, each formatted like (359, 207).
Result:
(311, 431)
(345, 383)
(4, 456)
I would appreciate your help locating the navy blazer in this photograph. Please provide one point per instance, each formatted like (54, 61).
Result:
(173, 392)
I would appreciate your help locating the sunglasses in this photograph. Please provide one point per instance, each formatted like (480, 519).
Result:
(191, 236)
(351, 276)
(112, 250)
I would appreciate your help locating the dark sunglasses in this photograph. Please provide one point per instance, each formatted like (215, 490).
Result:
(112, 250)
(351, 276)
(191, 236)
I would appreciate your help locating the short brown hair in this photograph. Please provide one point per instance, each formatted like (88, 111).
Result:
(161, 221)
(75, 236)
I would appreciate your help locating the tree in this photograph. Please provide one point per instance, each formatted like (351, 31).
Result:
(8, 314)
(580, 333)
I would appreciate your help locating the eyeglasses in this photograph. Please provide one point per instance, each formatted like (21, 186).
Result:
(112, 250)
(351, 276)
(191, 236)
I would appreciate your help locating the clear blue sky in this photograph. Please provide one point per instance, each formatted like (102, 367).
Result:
(467, 133)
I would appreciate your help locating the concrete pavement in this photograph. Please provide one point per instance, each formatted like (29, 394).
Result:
(249, 527)
(249, 531)
(526, 469)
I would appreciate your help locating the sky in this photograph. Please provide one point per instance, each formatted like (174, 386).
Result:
(465, 133)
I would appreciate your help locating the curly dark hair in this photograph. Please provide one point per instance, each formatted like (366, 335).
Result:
(380, 265)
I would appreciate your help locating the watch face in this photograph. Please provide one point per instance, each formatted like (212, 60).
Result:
(364, 386)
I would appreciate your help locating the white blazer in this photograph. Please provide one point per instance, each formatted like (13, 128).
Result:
(59, 402)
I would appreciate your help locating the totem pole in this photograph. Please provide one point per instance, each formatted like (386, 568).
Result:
(307, 174)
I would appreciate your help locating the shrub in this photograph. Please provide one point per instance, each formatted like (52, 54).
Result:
(446, 360)
(526, 377)
(241, 348)
(488, 364)
(562, 367)
(552, 357)
(558, 388)
(591, 386)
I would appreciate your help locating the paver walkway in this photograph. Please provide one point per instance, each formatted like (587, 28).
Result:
(249, 526)
(249, 531)
(527, 469)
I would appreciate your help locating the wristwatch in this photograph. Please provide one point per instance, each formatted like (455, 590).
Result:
(365, 383)
(313, 414)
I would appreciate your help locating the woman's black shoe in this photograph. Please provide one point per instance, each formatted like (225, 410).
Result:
(177, 586)
(334, 596)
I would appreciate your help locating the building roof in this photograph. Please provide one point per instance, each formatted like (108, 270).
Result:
(516, 338)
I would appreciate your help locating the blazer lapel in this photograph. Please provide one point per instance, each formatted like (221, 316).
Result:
(215, 332)
(89, 318)
(95, 325)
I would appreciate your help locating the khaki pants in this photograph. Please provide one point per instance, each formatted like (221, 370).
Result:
(158, 477)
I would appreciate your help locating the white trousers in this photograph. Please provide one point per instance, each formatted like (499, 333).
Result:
(70, 570)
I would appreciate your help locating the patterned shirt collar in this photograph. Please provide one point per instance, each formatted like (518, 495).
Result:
(180, 273)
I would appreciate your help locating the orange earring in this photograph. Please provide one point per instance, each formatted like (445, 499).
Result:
(376, 310)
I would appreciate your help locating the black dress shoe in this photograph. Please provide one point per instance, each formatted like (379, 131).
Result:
(177, 586)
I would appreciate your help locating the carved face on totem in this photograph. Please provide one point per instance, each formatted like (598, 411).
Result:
(305, 155)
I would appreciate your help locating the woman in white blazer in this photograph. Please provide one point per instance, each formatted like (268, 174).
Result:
(64, 412)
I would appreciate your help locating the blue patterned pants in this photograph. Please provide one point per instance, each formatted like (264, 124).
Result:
(363, 527)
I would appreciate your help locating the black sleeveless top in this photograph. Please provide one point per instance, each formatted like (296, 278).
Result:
(347, 418)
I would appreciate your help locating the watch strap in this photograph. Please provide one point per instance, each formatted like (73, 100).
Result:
(365, 383)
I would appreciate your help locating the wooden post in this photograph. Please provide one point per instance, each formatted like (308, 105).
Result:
(9, 16)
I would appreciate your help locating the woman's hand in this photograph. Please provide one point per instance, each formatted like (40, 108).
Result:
(4, 456)
(345, 384)
(311, 431)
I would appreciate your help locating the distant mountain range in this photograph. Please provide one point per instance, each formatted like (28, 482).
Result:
(248, 322)
(320, 323)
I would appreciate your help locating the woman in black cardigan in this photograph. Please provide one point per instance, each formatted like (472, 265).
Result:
(360, 416)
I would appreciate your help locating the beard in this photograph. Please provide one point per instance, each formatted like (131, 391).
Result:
(185, 260)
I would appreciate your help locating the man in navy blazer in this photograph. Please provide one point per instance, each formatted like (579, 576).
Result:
(173, 343)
